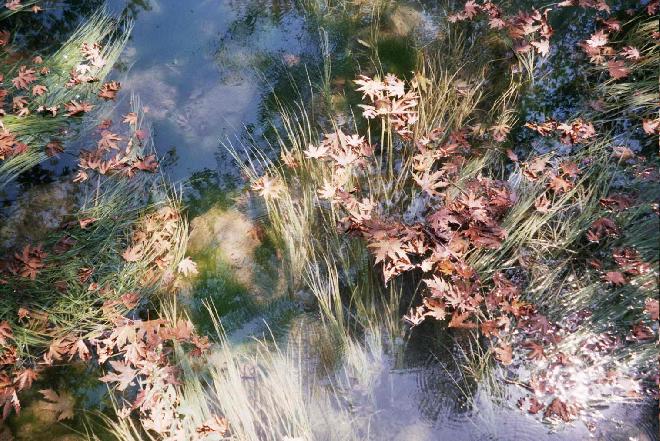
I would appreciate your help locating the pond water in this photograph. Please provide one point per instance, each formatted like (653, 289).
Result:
(204, 72)
(199, 70)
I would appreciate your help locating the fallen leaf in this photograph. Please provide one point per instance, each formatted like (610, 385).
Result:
(617, 69)
(187, 267)
(615, 277)
(130, 118)
(62, 404)
(558, 408)
(504, 353)
(132, 254)
(651, 308)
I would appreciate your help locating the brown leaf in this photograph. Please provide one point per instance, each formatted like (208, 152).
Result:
(24, 78)
(130, 118)
(651, 308)
(25, 378)
(75, 108)
(6, 332)
(504, 353)
(615, 277)
(535, 350)
(133, 254)
(124, 375)
(109, 90)
(558, 408)
(84, 223)
(54, 148)
(214, 424)
(617, 69)
(62, 403)
(460, 321)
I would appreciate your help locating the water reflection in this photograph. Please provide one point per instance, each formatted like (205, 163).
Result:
(195, 67)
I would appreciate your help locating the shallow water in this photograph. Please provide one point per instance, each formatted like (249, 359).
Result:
(197, 68)
(202, 70)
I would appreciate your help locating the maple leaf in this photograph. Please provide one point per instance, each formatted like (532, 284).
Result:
(132, 254)
(641, 332)
(490, 328)
(25, 78)
(314, 152)
(62, 403)
(535, 406)
(460, 321)
(535, 169)
(415, 316)
(6, 332)
(371, 88)
(215, 424)
(652, 308)
(617, 69)
(108, 141)
(75, 108)
(13, 5)
(504, 353)
(389, 247)
(124, 375)
(149, 163)
(570, 168)
(542, 204)
(130, 299)
(542, 47)
(615, 277)
(345, 158)
(54, 148)
(631, 53)
(558, 408)
(559, 184)
(109, 90)
(131, 118)
(25, 378)
(4, 38)
(471, 9)
(183, 331)
(500, 132)
(84, 223)
(82, 350)
(39, 90)
(496, 23)
(601, 228)
(511, 155)
(535, 350)
(429, 182)
(435, 308)
(187, 267)
(268, 188)
(651, 126)
(598, 39)
(617, 202)
(623, 153)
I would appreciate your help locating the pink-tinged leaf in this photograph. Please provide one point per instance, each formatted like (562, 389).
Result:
(617, 69)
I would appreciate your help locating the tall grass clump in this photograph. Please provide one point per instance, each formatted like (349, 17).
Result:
(426, 190)
(38, 117)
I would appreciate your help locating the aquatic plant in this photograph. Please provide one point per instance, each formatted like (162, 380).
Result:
(71, 295)
(447, 228)
(434, 204)
(49, 94)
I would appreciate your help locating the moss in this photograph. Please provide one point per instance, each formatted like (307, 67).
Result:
(216, 284)
(397, 55)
